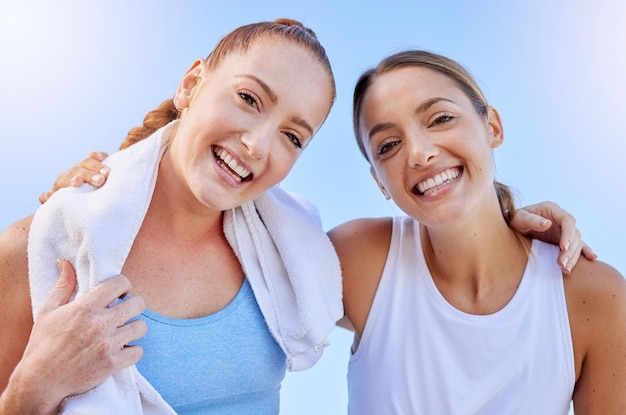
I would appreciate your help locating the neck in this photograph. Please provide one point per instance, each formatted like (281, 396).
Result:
(176, 213)
(476, 264)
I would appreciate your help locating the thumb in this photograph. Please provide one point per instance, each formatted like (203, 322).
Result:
(524, 221)
(62, 290)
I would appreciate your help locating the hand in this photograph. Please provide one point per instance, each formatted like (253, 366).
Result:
(74, 346)
(91, 170)
(548, 222)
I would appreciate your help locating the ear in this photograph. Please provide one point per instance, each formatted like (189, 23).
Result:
(188, 84)
(380, 185)
(494, 124)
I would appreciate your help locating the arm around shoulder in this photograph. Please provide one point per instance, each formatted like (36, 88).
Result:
(596, 295)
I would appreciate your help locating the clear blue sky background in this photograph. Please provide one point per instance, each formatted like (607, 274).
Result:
(76, 76)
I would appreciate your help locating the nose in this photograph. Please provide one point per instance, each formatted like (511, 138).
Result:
(423, 150)
(258, 141)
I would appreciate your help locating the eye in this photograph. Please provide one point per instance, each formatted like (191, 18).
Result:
(442, 119)
(295, 140)
(385, 147)
(249, 99)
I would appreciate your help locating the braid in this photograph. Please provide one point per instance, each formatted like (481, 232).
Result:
(155, 119)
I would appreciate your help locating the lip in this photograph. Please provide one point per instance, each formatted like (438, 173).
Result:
(433, 183)
(230, 166)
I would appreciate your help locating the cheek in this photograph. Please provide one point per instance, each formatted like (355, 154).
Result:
(284, 167)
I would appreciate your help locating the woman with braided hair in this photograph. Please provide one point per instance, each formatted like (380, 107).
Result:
(184, 238)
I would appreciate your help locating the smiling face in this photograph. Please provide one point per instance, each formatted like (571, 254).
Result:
(428, 146)
(245, 123)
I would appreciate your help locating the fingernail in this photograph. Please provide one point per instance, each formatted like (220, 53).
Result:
(97, 179)
(566, 245)
(103, 171)
(47, 195)
(74, 181)
(569, 267)
(564, 262)
(59, 265)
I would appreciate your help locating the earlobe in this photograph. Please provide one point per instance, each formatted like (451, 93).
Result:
(495, 125)
(380, 185)
(191, 79)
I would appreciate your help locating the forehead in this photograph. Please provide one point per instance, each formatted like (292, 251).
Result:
(293, 73)
(404, 89)
(276, 57)
(410, 83)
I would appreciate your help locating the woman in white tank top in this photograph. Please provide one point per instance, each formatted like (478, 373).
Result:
(454, 311)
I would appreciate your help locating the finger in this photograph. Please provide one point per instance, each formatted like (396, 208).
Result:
(87, 171)
(524, 221)
(131, 332)
(567, 260)
(127, 310)
(93, 166)
(98, 155)
(76, 181)
(62, 290)
(588, 253)
(43, 198)
(570, 235)
(129, 355)
(105, 293)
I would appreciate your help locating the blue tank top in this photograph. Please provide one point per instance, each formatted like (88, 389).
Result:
(225, 363)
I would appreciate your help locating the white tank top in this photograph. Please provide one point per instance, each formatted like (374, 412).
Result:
(420, 355)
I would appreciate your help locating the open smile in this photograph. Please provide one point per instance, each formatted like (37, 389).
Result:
(433, 184)
(230, 165)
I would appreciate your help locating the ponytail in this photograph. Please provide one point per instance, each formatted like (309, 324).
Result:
(155, 119)
(506, 200)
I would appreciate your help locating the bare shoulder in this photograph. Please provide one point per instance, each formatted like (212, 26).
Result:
(362, 246)
(596, 302)
(595, 286)
(13, 253)
(596, 299)
(361, 232)
(15, 309)
(361, 243)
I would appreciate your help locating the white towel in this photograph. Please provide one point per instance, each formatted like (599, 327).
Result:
(293, 270)
(95, 230)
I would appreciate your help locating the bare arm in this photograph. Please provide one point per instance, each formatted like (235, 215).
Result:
(42, 363)
(596, 300)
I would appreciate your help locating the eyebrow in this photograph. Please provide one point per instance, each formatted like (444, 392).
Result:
(263, 85)
(274, 98)
(302, 123)
(424, 106)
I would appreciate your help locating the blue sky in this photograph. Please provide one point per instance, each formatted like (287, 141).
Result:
(76, 76)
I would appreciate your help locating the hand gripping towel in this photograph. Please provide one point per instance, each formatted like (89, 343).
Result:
(291, 264)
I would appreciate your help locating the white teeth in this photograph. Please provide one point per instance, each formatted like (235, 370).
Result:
(438, 180)
(232, 163)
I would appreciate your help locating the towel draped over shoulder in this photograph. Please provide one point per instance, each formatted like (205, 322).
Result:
(278, 238)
